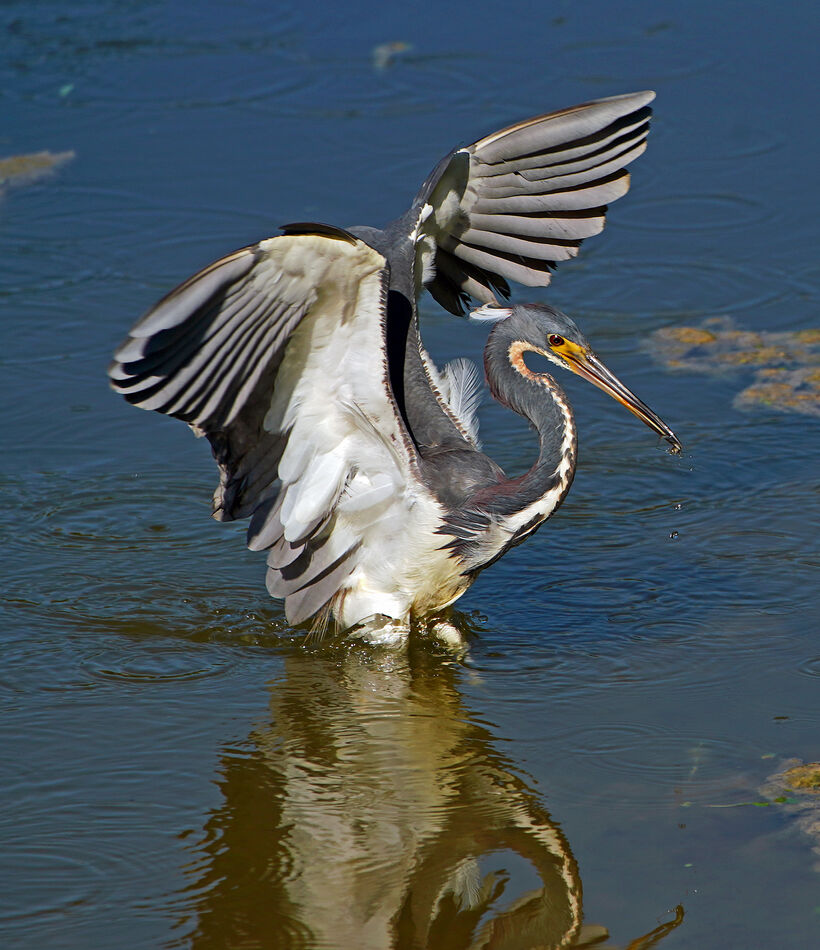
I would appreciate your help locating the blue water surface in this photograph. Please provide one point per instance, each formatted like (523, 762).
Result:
(179, 769)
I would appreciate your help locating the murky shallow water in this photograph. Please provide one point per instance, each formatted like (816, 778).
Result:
(178, 769)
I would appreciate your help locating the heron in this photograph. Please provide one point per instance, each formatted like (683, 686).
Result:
(354, 457)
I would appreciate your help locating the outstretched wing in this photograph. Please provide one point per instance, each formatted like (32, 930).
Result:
(277, 355)
(513, 204)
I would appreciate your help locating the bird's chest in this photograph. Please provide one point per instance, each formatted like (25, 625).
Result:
(438, 582)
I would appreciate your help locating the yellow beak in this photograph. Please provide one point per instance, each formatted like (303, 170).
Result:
(588, 366)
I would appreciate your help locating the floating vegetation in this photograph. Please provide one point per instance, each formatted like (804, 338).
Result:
(797, 784)
(797, 389)
(25, 169)
(804, 778)
(786, 365)
(385, 54)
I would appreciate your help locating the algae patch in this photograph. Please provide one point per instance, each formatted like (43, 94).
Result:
(786, 364)
(805, 778)
(26, 169)
(797, 783)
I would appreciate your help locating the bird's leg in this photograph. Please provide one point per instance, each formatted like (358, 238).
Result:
(448, 634)
(382, 630)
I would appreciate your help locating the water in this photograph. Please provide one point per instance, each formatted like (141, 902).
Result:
(178, 769)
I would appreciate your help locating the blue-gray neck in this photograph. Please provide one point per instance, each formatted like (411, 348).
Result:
(542, 402)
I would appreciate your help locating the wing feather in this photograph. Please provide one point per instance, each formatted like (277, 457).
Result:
(595, 195)
(515, 203)
(276, 354)
(540, 181)
(535, 136)
(567, 227)
(576, 155)
(513, 244)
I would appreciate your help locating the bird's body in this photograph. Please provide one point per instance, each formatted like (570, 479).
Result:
(300, 359)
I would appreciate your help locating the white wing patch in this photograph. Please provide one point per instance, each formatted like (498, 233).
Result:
(347, 472)
(277, 353)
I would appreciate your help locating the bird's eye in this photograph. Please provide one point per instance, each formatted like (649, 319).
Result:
(556, 340)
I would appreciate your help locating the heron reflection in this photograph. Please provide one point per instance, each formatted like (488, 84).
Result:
(373, 811)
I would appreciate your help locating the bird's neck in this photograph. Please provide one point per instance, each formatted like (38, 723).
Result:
(543, 403)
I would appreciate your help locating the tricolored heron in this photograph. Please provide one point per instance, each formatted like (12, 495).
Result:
(300, 359)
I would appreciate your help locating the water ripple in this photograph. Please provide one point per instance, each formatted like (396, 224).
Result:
(139, 567)
(664, 59)
(693, 212)
(97, 513)
(53, 877)
(675, 288)
(810, 666)
(120, 217)
(652, 765)
(138, 664)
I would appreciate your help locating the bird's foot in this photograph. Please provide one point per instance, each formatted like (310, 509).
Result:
(381, 630)
(447, 632)
(449, 636)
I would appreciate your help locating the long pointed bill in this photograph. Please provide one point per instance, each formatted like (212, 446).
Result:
(591, 368)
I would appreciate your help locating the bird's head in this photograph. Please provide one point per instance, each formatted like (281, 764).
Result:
(539, 328)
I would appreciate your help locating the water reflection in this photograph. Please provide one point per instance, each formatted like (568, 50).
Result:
(374, 811)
